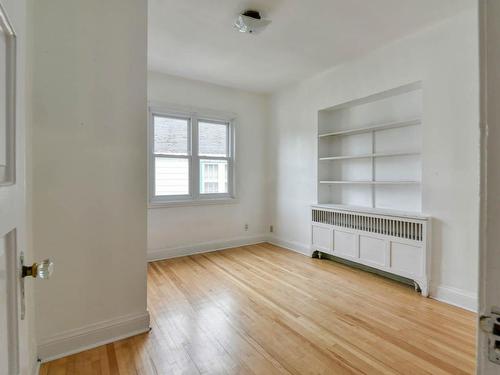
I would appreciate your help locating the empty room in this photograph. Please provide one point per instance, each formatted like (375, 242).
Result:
(249, 187)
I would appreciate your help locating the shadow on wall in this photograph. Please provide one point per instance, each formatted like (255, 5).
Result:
(437, 253)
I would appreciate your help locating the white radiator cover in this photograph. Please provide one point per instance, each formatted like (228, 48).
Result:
(390, 241)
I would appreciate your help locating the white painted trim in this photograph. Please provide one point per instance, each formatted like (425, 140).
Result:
(291, 245)
(454, 296)
(93, 335)
(193, 157)
(200, 202)
(175, 252)
(372, 211)
(36, 368)
(450, 295)
(8, 171)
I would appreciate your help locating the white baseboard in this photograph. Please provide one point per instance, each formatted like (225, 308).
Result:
(174, 252)
(93, 335)
(450, 295)
(291, 245)
(455, 296)
(36, 368)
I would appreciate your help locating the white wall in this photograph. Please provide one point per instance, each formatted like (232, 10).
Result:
(445, 58)
(175, 231)
(89, 174)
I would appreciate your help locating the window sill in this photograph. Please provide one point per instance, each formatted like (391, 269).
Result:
(199, 202)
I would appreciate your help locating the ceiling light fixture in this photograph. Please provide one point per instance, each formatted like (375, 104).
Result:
(250, 22)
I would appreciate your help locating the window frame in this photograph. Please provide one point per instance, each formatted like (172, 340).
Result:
(194, 197)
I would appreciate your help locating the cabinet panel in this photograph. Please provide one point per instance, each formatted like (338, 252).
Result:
(344, 244)
(407, 258)
(322, 238)
(372, 250)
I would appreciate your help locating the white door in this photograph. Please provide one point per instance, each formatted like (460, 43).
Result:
(489, 275)
(14, 351)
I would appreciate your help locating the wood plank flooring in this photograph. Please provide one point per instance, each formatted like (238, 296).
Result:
(262, 309)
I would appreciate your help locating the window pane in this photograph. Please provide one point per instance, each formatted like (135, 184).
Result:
(170, 135)
(171, 176)
(212, 139)
(213, 176)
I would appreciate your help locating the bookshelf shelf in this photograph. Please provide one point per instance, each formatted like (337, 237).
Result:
(365, 156)
(396, 182)
(368, 129)
(369, 151)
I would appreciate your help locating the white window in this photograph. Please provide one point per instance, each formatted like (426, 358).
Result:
(191, 158)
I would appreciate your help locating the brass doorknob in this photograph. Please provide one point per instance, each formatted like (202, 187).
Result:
(42, 270)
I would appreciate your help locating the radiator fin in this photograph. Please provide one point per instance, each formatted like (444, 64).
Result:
(396, 227)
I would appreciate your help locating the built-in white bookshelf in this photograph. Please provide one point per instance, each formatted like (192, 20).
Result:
(369, 151)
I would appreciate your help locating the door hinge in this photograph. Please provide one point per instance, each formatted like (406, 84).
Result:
(490, 324)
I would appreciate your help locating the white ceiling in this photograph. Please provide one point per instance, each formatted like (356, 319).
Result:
(195, 38)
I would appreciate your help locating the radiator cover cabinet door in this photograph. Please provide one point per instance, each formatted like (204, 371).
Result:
(322, 238)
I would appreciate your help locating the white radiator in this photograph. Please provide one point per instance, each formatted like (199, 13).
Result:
(391, 242)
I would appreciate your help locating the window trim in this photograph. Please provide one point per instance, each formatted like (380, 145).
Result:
(194, 197)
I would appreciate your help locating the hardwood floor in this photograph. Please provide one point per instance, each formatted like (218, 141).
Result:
(262, 309)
